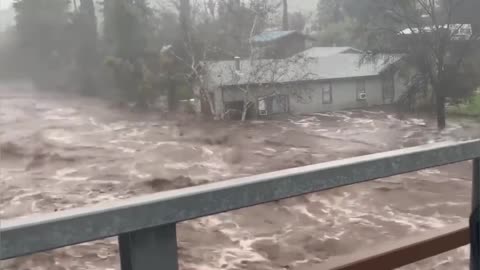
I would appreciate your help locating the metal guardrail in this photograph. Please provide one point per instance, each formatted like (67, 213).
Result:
(146, 225)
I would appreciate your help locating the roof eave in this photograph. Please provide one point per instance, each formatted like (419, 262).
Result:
(303, 81)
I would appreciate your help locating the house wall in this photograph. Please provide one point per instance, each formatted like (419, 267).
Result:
(307, 98)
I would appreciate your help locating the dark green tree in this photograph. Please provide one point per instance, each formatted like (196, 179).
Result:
(87, 39)
(297, 21)
(343, 22)
(126, 30)
(41, 30)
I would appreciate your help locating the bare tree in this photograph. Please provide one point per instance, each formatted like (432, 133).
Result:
(435, 45)
(193, 53)
(270, 73)
(254, 73)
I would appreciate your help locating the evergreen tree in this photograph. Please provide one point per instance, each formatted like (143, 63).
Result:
(87, 55)
(41, 26)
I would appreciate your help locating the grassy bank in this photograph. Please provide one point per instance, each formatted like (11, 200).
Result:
(469, 108)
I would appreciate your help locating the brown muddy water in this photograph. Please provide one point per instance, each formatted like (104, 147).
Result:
(60, 152)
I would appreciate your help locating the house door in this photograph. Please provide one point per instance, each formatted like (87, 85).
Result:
(388, 87)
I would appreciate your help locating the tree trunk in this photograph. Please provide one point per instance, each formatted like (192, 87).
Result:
(185, 23)
(440, 111)
(172, 96)
(87, 52)
(211, 104)
(285, 16)
(88, 9)
(244, 113)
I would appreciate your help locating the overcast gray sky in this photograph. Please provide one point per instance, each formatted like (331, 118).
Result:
(295, 5)
(5, 3)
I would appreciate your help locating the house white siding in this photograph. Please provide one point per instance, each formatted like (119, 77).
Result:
(305, 98)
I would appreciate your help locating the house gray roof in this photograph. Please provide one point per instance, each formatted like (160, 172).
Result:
(296, 68)
(269, 36)
(327, 51)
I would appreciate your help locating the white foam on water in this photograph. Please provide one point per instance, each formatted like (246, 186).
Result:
(135, 133)
(416, 121)
(126, 150)
(173, 143)
(448, 260)
(457, 179)
(340, 209)
(342, 116)
(206, 151)
(323, 114)
(372, 112)
(60, 114)
(133, 172)
(59, 136)
(64, 175)
(177, 166)
(101, 181)
(415, 222)
(335, 236)
(302, 208)
(130, 141)
(231, 256)
(361, 121)
(116, 126)
(365, 222)
(429, 171)
(438, 205)
(34, 208)
(24, 195)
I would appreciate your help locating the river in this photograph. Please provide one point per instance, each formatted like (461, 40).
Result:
(62, 151)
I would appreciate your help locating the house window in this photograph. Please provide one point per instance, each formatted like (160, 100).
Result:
(273, 104)
(361, 90)
(327, 93)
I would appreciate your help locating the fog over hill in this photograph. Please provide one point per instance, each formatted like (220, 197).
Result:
(307, 7)
(295, 5)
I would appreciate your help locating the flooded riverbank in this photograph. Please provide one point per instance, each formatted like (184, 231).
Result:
(59, 152)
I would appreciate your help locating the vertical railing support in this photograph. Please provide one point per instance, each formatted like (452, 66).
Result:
(149, 249)
(475, 218)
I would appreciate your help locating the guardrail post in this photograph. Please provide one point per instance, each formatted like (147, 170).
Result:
(475, 218)
(149, 249)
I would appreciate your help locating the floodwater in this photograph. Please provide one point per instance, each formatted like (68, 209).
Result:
(60, 152)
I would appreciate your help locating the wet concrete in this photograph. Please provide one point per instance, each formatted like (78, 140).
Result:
(60, 152)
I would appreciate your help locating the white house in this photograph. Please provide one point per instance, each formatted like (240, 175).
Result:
(315, 80)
